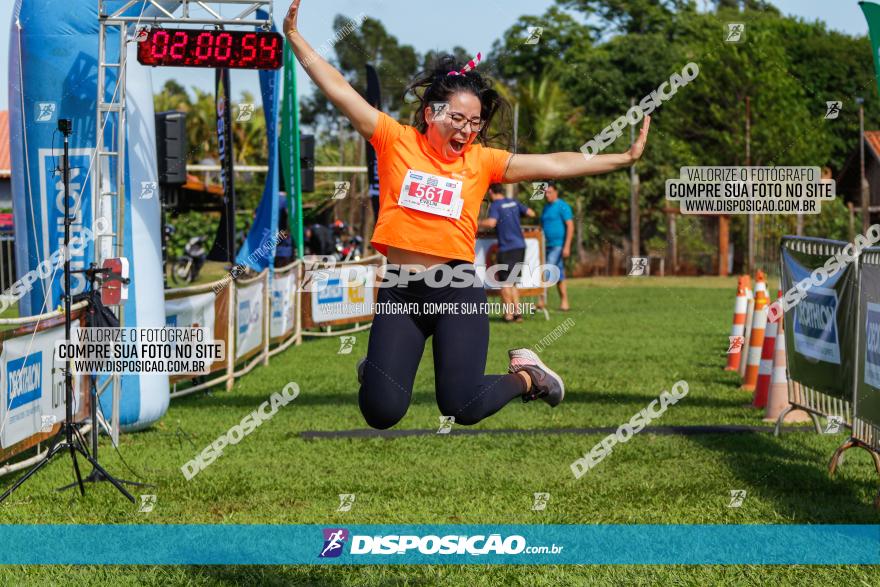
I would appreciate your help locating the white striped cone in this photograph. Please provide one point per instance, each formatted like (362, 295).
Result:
(756, 342)
(750, 313)
(778, 399)
(738, 330)
(765, 369)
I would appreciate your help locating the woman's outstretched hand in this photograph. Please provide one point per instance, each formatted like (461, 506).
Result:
(290, 20)
(638, 147)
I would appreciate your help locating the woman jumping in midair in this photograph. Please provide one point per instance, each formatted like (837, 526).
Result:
(439, 234)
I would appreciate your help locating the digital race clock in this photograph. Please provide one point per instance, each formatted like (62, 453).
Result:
(211, 48)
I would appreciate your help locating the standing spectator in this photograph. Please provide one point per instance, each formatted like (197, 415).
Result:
(558, 226)
(504, 215)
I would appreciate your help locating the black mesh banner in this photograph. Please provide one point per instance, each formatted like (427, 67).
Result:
(867, 398)
(820, 300)
(224, 243)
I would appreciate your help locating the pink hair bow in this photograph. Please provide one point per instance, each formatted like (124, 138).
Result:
(469, 67)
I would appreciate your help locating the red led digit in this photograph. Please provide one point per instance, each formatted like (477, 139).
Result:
(159, 46)
(178, 46)
(204, 46)
(223, 47)
(267, 53)
(248, 48)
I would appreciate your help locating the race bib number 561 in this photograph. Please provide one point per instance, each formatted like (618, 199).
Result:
(432, 194)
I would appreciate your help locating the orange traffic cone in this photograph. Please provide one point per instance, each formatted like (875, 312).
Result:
(750, 312)
(756, 341)
(765, 369)
(778, 400)
(761, 283)
(738, 330)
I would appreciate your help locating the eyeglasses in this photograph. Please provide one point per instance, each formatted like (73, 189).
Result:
(459, 121)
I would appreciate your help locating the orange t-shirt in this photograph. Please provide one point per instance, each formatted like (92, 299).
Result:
(401, 148)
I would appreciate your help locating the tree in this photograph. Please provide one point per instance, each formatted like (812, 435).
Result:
(512, 59)
(249, 134)
(369, 43)
(633, 16)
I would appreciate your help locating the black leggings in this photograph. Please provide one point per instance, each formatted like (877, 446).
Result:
(461, 341)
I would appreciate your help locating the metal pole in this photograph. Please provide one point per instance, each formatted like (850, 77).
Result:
(866, 212)
(68, 377)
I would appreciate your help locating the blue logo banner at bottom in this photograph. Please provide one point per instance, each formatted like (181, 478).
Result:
(440, 544)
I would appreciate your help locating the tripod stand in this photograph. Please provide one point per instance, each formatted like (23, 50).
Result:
(97, 475)
(69, 438)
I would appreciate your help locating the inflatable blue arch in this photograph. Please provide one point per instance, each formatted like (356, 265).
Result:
(53, 68)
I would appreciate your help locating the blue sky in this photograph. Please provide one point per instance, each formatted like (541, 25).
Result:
(472, 24)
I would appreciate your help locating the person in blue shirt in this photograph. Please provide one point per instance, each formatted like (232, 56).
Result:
(504, 215)
(558, 226)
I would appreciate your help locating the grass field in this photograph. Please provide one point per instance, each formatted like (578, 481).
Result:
(632, 338)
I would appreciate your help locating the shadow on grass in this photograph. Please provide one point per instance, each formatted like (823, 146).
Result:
(792, 473)
(597, 398)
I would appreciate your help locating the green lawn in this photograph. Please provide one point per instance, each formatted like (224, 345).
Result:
(632, 338)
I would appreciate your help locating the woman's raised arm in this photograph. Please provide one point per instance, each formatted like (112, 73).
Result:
(363, 117)
(565, 165)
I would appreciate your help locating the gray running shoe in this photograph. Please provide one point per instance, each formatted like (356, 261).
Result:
(362, 364)
(546, 384)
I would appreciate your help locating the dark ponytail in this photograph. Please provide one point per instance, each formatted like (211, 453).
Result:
(436, 85)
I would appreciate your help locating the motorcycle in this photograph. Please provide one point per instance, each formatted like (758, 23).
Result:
(352, 250)
(186, 268)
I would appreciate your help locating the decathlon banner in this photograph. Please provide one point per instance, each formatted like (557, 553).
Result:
(53, 63)
(261, 236)
(185, 544)
(820, 327)
(207, 310)
(342, 294)
(249, 318)
(867, 397)
(33, 389)
(530, 277)
(283, 318)
(191, 312)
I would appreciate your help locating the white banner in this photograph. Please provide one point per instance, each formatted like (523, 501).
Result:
(339, 294)
(32, 389)
(248, 318)
(283, 304)
(192, 312)
(531, 274)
